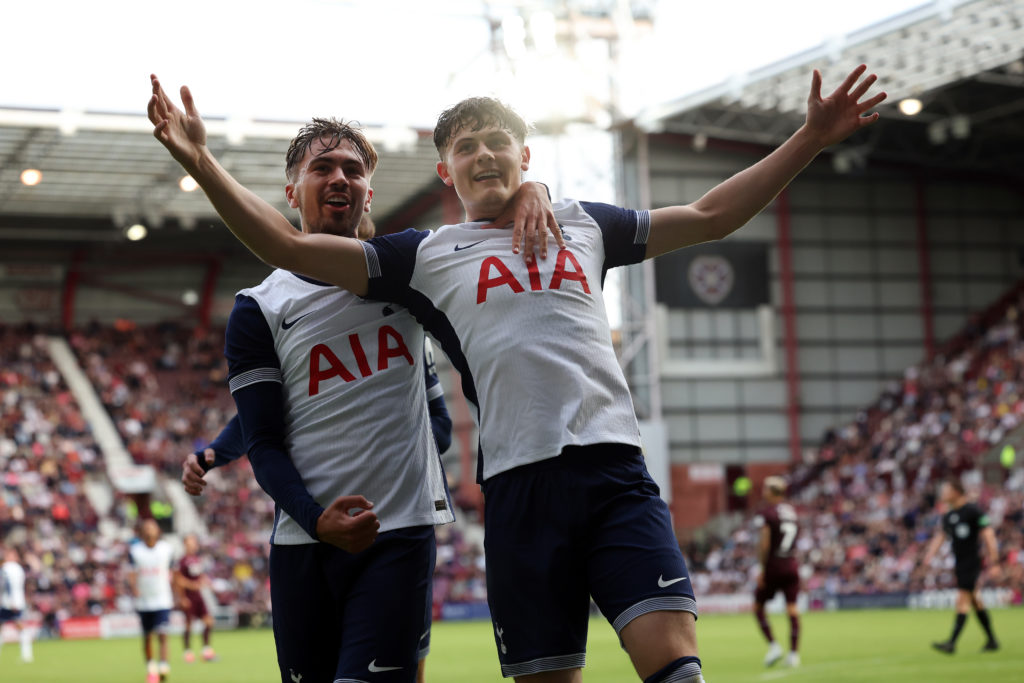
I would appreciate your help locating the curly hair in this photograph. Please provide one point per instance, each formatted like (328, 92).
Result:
(475, 113)
(330, 132)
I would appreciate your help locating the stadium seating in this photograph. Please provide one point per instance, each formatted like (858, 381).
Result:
(866, 495)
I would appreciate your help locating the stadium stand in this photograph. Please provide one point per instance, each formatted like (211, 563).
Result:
(866, 496)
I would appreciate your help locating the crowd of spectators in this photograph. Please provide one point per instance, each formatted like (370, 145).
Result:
(867, 496)
(165, 389)
(459, 574)
(48, 456)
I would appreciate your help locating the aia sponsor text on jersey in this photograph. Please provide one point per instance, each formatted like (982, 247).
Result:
(325, 364)
(494, 273)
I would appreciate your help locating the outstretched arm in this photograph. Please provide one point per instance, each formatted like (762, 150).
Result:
(728, 206)
(260, 226)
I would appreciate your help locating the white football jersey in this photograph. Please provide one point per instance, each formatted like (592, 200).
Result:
(153, 575)
(12, 587)
(532, 344)
(356, 415)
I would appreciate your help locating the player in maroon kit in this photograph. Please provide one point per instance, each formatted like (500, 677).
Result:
(188, 580)
(779, 568)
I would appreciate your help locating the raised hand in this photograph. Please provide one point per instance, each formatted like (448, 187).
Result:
(192, 472)
(839, 115)
(181, 132)
(350, 531)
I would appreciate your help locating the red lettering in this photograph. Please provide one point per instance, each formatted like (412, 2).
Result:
(486, 281)
(357, 349)
(561, 273)
(335, 368)
(534, 276)
(385, 351)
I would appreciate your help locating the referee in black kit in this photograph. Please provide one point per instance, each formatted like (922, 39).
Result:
(966, 525)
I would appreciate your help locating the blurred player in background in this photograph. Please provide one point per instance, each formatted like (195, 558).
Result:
(189, 580)
(967, 526)
(12, 600)
(780, 570)
(150, 579)
(569, 502)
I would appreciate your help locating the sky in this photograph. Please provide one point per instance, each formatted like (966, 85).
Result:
(382, 62)
(400, 62)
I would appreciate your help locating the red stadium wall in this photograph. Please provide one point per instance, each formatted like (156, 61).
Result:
(697, 499)
(694, 502)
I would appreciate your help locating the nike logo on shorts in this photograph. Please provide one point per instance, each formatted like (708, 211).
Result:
(662, 583)
(458, 248)
(285, 325)
(377, 669)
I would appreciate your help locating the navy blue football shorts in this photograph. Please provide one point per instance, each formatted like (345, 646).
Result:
(155, 621)
(589, 523)
(362, 618)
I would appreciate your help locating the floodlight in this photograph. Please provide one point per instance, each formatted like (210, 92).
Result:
(31, 176)
(136, 232)
(910, 106)
(841, 162)
(188, 184)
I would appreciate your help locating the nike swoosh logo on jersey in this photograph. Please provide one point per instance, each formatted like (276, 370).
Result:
(377, 669)
(662, 583)
(458, 248)
(286, 325)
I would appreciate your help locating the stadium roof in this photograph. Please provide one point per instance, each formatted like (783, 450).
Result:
(963, 59)
(102, 172)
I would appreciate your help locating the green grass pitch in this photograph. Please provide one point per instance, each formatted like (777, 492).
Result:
(891, 645)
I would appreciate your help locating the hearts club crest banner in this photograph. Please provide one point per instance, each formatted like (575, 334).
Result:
(732, 274)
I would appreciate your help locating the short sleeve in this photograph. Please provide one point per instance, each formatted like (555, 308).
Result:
(625, 232)
(390, 261)
(249, 346)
